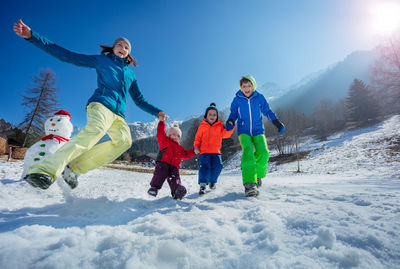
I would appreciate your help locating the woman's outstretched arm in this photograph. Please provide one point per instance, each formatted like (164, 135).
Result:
(53, 49)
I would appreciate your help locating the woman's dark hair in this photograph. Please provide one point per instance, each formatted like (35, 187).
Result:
(129, 58)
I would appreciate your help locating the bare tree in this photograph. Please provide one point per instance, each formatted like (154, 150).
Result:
(324, 119)
(386, 73)
(279, 142)
(297, 124)
(40, 101)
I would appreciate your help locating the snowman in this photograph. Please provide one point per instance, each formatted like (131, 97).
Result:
(58, 129)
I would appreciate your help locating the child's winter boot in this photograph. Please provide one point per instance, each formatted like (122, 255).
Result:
(250, 189)
(212, 186)
(179, 193)
(259, 182)
(152, 191)
(202, 188)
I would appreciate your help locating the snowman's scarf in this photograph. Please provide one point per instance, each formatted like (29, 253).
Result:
(59, 138)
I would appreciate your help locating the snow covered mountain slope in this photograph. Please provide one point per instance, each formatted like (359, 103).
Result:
(363, 152)
(342, 212)
(141, 130)
(332, 83)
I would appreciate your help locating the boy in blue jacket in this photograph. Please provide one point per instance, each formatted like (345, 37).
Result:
(247, 109)
(105, 111)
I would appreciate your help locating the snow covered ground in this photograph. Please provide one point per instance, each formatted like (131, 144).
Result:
(342, 212)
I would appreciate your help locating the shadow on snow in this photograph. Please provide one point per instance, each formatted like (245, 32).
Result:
(81, 212)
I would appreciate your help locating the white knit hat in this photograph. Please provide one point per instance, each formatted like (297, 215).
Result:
(123, 39)
(176, 128)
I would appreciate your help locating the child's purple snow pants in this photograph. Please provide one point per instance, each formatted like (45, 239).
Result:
(165, 171)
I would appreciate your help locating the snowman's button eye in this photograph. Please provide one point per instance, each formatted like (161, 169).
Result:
(51, 119)
(59, 119)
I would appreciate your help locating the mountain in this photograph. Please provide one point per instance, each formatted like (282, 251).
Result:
(7, 130)
(332, 83)
(5, 126)
(140, 130)
(271, 90)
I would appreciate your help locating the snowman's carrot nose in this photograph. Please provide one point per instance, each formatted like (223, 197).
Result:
(53, 124)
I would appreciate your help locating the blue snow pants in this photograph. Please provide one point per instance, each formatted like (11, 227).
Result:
(210, 167)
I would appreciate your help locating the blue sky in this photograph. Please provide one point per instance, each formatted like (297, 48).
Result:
(190, 53)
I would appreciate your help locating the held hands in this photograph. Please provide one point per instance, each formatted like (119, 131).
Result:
(161, 116)
(197, 150)
(22, 29)
(229, 125)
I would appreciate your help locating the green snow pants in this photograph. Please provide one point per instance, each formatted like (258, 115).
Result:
(81, 153)
(255, 156)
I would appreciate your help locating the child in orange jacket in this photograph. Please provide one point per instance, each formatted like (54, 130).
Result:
(208, 143)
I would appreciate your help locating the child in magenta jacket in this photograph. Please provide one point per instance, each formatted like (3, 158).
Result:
(169, 160)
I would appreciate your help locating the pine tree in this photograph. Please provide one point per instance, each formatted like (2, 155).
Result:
(361, 106)
(144, 146)
(41, 101)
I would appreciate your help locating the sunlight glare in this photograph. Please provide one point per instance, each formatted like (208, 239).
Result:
(387, 18)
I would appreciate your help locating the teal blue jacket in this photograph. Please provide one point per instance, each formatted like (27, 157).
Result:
(114, 78)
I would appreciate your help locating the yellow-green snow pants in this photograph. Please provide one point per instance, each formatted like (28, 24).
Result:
(255, 156)
(81, 153)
